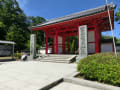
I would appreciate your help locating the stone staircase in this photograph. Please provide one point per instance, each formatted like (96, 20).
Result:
(62, 58)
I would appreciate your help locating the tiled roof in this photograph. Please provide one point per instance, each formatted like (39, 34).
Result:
(77, 15)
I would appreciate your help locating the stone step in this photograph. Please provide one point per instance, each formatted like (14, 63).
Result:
(50, 55)
(61, 56)
(62, 61)
(67, 59)
(56, 61)
(57, 58)
(53, 60)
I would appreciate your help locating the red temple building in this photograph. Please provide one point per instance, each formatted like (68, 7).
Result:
(61, 29)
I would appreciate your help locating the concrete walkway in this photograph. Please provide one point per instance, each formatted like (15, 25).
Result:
(32, 75)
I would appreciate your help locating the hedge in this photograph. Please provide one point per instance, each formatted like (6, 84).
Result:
(18, 55)
(104, 67)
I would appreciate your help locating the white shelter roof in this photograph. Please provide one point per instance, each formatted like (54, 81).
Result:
(7, 42)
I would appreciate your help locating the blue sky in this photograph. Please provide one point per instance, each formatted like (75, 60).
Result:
(50, 9)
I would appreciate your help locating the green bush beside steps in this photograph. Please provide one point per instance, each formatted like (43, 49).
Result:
(102, 67)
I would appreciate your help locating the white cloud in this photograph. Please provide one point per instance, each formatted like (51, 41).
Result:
(22, 3)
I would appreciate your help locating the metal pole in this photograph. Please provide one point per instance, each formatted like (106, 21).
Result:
(13, 52)
(111, 28)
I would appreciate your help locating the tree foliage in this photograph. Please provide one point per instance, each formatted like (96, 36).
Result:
(117, 18)
(74, 44)
(14, 24)
(117, 40)
(40, 34)
(35, 20)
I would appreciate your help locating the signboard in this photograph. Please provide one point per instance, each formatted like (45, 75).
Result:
(83, 42)
(5, 50)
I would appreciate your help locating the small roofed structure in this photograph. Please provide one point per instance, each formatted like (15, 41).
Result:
(7, 50)
(7, 42)
(61, 29)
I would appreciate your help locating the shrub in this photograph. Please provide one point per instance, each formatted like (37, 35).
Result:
(104, 67)
(18, 55)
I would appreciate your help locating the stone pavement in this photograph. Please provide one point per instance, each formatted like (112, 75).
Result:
(32, 75)
(70, 86)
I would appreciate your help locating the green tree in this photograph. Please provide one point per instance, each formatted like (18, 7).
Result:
(35, 20)
(2, 17)
(18, 35)
(40, 34)
(13, 23)
(117, 18)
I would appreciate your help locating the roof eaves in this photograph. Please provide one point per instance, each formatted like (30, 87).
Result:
(76, 15)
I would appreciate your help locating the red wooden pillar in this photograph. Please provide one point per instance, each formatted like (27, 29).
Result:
(68, 44)
(53, 45)
(63, 44)
(97, 38)
(46, 43)
(56, 39)
(100, 35)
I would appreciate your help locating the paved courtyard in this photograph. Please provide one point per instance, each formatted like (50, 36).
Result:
(32, 75)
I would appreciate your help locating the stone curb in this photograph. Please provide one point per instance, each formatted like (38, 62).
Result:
(93, 84)
(51, 85)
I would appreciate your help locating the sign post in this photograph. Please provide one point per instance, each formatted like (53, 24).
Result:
(83, 42)
(32, 46)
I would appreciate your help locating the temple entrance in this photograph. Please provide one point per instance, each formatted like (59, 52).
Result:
(63, 31)
(67, 42)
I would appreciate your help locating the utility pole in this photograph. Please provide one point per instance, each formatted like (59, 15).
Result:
(111, 27)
